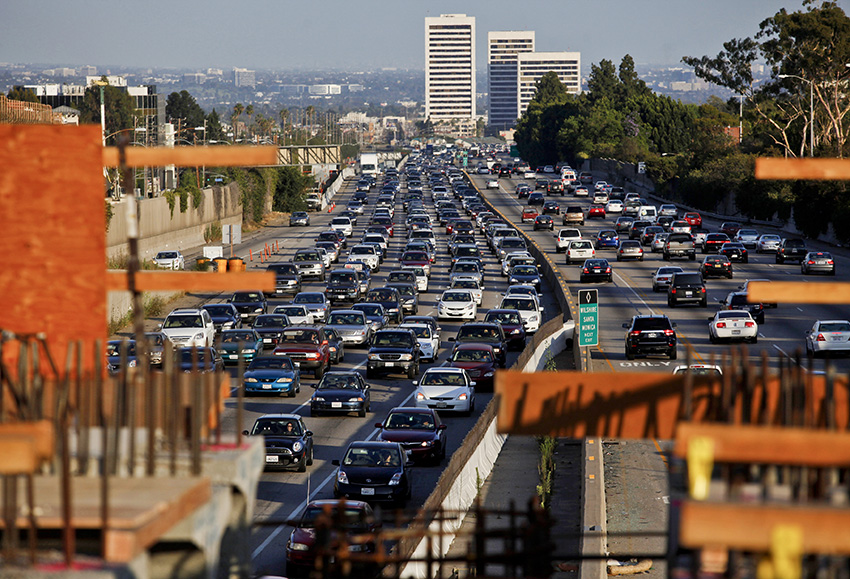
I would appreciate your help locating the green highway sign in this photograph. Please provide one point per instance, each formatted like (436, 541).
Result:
(588, 317)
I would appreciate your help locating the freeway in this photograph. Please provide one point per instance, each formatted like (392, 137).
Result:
(638, 474)
(282, 495)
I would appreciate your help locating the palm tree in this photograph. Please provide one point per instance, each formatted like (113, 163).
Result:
(284, 116)
(234, 118)
(249, 110)
(309, 113)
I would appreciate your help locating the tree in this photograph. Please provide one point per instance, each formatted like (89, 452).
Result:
(20, 93)
(119, 106)
(603, 81)
(549, 90)
(630, 82)
(215, 132)
(182, 106)
(249, 110)
(284, 118)
(238, 109)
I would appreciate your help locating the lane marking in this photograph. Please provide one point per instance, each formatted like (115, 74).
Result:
(661, 453)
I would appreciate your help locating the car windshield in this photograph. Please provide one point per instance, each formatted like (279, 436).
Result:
(328, 236)
(271, 321)
(186, 355)
(421, 331)
(246, 297)
(222, 310)
(377, 457)
(346, 319)
(381, 295)
(392, 339)
(524, 270)
(466, 267)
(518, 304)
(340, 277)
(688, 279)
(457, 297)
(651, 324)
(477, 332)
(311, 298)
(443, 379)
(238, 336)
(307, 256)
(277, 427)
(834, 327)
(298, 336)
(472, 356)
(503, 318)
(411, 421)
(351, 518)
(183, 321)
(339, 381)
(166, 255)
(465, 284)
(414, 256)
(113, 349)
(284, 269)
(276, 363)
(292, 311)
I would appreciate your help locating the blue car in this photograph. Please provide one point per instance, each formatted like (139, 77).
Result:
(272, 375)
(607, 239)
(228, 347)
(525, 275)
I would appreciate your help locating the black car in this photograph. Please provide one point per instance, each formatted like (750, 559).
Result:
(224, 316)
(544, 222)
(555, 186)
(288, 442)
(270, 327)
(336, 344)
(716, 266)
(204, 359)
(333, 238)
(341, 392)
(419, 431)
(512, 326)
(596, 270)
(650, 335)
(390, 299)
(114, 354)
(735, 252)
(249, 304)
(287, 278)
(739, 301)
(373, 471)
(343, 286)
(490, 333)
(686, 287)
(409, 296)
(791, 250)
(536, 199)
(551, 207)
(525, 275)
(393, 351)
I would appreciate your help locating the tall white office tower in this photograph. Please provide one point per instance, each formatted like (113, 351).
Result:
(450, 67)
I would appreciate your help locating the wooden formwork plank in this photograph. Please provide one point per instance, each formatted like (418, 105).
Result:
(767, 444)
(748, 527)
(40, 432)
(211, 156)
(194, 281)
(821, 169)
(798, 292)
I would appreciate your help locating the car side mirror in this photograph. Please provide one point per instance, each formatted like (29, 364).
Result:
(626, 326)
(335, 462)
(159, 326)
(308, 433)
(442, 427)
(245, 433)
(378, 425)
(472, 383)
(297, 365)
(710, 318)
(416, 382)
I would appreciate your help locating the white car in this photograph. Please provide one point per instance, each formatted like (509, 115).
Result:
(828, 336)
(367, 254)
(297, 314)
(169, 260)
(712, 370)
(429, 341)
(421, 277)
(445, 388)
(680, 227)
(668, 209)
(663, 275)
(565, 236)
(747, 237)
(768, 243)
(529, 175)
(327, 258)
(733, 325)
(355, 207)
(600, 186)
(614, 206)
(189, 327)
(457, 304)
(514, 259)
(316, 303)
(600, 197)
(528, 307)
(492, 183)
(578, 251)
(472, 285)
(342, 224)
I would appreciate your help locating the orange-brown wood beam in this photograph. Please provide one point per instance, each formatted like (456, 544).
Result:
(218, 156)
(812, 169)
(799, 292)
(768, 444)
(192, 281)
(748, 527)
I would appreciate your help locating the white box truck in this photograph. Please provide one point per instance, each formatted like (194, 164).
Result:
(369, 164)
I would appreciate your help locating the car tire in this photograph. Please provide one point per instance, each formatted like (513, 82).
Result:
(370, 374)
(673, 354)
(362, 412)
(704, 303)
(654, 288)
(319, 372)
(671, 303)
(309, 461)
(302, 466)
(291, 393)
(629, 354)
(711, 338)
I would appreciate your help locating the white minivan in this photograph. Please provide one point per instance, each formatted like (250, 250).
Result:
(648, 213)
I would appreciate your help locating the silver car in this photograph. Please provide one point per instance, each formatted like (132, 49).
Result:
(818, 262)
(352, 325)
(747, 237)
(298, 314)
(316, 303)
(827, 336)
(768, 243)
(658, 241)
(662, 276)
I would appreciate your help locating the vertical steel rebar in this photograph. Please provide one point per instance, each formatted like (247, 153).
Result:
(240, 394)
(197, 399)
(150, 390)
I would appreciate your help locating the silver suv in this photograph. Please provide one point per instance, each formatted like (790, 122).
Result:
(189, 327)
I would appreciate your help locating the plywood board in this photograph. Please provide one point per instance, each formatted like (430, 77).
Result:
(217, 156)
(821, 169)
(194, 281)
(798, 292)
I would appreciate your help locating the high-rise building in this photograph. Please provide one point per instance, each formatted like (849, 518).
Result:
(244, 77)
(450, 67)
(503, 46)
(533, 65)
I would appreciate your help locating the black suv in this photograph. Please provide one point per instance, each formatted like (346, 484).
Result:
(392, 351)
(488, 333)
(650, 335)
(287, 278)
(343, 286)
(687, 287)
(791, 249)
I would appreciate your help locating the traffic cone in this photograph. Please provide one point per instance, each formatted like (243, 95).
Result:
(250, 255)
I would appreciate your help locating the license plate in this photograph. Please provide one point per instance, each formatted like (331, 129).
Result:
(652, 335)
(368, 491)
(736, 332)
(233, 356)
(389, 363)
(442, 405)
(821, 263)
(267, 386)
(689, 294)
(597, 271)
(244, 315)
(336, 404)
(835, 339)
(272, 458)
(267, 340)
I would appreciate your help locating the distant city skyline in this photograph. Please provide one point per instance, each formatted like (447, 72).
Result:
(362, 35)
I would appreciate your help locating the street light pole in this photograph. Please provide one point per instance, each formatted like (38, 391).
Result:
(811, 110)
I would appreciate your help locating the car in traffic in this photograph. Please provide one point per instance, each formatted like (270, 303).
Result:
(420, 431)
(573, 214)
(818, 262)
(224, 316)
(713, 242)
(299, 218)
(737, 300)
(693, 218)
(607, 239)
(580, 250)
(275, 374)
(390, 299)
(650, 335)
(479, 362)
(341, 392)
(287, 278)
(244, 343)
(791, 250)
(490, 333)
(529, 214)
(512, 326)
(686, 287)
(529, 309)
(716, 266)
(352, 326)
(596, 270)
(373, 471)
(307, 346)
(269, 327)
(454, 304)
(202, 359)
(630, 249)
(393, 351)
(289, 444)
(169, 260)
(735, 252)
(733, 325)
(544, 222)
(768, 243)
(747, 237)
(189, 327)
(428, 338)
(662, 276)
(828, 337)
(445, 389)
(316, 303)
(309, 263)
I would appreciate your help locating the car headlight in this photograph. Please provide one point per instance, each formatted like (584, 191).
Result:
(356, 399)
(489, 374)
(515, 331)
(258, 310)
(396, 479)
(374, 356)
(427, 443)
(358, 548)
(420, 396)
(463, 396)
(298, 547)
(297, 446)
(249, 351)
(251, 380)
(228, 324)
(341, 477)
(333, 349)
(311, 356)
(532, 319)
(406, 357)
(199, 336)
(284, 379)
(131, 363)
(318, 398)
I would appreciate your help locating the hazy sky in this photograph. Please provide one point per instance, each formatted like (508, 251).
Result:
(358, 34)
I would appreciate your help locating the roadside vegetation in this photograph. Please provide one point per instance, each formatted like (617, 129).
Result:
(689, 150)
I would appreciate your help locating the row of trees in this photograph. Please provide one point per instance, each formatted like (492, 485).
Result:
(689, 149)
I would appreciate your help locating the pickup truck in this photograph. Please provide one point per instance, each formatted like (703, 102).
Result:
(313, 201)
(679, 245)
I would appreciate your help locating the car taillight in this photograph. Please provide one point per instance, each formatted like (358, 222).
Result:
(703, 290)
(634, 333)
(821, 338)
(749, 324)
(829, 262)
(672, 290)
(585, 270)
(608, 270)
(669, 332)
(721, 324)
(810, 262)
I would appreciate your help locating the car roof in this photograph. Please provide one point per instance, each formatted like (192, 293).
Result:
(280, 415)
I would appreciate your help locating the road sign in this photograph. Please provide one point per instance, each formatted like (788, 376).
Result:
(588, 317)
(641, 167)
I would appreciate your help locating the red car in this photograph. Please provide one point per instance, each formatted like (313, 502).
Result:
(694, 219)
(386, 222)
(307, 346)
(358, 520)
(596, 211)
(511, 322)
(419, 431)
(529, 214)
(450, 226)
(414, 257)
(478, 360)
